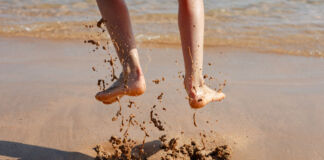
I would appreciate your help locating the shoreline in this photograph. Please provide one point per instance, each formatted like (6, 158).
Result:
(158, 44)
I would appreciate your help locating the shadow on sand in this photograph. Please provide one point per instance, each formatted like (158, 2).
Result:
(150, 148)
(30, 152)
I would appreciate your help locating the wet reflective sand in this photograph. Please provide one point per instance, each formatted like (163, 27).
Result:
(273, 108)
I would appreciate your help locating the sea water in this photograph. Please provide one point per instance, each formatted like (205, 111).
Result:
(293, 27)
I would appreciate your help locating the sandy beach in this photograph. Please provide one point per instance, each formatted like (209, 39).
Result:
(273, 109)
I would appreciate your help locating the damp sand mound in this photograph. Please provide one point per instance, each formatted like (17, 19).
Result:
(168, 149)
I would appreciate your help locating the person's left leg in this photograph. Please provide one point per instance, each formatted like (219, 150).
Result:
(191, 26)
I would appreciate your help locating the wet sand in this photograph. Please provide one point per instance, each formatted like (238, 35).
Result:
(273, 108)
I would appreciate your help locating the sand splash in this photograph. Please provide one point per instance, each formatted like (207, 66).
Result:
(125, 147)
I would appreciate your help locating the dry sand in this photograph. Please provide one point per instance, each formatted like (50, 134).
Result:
(273, 109)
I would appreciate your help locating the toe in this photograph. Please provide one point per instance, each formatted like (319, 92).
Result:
(106, 102)
(219, 96)
(111, 100)
(99, 96)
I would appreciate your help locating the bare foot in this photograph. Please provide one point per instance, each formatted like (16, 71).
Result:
(131, 85)
(201, 95)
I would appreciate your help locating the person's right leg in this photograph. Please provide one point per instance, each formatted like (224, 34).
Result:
(191, 26)
(131, 82)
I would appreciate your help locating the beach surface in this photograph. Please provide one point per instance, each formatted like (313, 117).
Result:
(273, 109)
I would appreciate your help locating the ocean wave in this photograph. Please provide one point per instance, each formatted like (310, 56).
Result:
(302, 43)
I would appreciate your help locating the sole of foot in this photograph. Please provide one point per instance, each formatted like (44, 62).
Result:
(204, 96)
(133, 87)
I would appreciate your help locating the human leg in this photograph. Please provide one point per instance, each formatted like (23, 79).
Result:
(131, 82)
(191, 26)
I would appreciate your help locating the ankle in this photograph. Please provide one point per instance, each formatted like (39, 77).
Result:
(192, 83)
(133, 71)
(131, 64)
